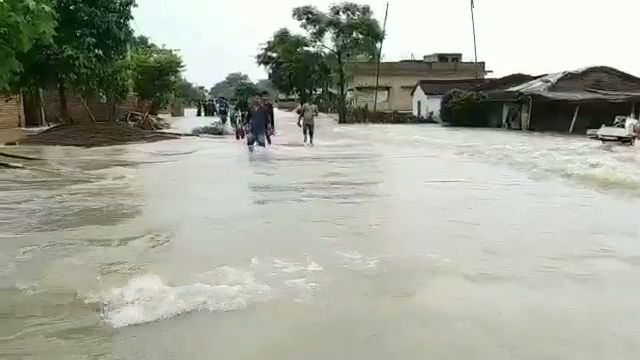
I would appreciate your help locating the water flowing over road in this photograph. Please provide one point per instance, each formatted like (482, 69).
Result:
(381, 242)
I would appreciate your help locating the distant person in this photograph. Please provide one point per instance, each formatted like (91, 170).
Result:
(199, 111)
(223, 110)
(212, 108)
(308, 112)
(259, 122)
(272, 126)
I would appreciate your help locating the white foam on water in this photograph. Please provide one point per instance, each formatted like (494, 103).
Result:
(355, 261)
(148, 298)
(585, 162)
(303, 289)
(29, 288)
(295, 267)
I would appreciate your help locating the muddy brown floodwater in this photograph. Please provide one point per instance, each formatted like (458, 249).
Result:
(381, 242)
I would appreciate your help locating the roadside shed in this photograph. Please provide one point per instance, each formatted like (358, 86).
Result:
(569, 101)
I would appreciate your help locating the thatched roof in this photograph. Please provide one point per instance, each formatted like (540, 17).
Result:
(441, 87)
(505, 82)
(598, 83)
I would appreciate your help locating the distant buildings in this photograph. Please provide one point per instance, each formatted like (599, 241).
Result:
(398, 79)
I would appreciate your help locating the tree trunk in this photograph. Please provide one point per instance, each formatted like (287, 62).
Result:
(64, 107)
(342, 108)
(112, 111)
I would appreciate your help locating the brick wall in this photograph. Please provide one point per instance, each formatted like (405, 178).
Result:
(11, 112)
(77, 110)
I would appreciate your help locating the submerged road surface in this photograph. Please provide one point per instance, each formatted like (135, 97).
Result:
(381, 242)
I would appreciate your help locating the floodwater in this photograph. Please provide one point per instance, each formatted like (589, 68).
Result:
(381, 242)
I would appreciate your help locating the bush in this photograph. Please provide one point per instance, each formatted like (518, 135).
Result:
(464, 108)
(213, 129)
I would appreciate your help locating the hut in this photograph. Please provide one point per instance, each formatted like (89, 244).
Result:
(568, 101)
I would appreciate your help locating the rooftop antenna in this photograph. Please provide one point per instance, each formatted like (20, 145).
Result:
(384, 34)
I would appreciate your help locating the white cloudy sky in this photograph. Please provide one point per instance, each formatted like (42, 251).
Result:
(216, 37)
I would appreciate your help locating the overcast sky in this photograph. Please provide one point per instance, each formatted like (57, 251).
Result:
(216, 37)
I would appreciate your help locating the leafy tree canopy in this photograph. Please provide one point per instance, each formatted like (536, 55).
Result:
(156, 75)
(348, 31)
(89, 36)
(294, 66)
(22, 23)
(227, 87)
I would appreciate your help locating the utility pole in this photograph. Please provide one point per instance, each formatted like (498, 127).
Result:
(475, 47)
(384, 34)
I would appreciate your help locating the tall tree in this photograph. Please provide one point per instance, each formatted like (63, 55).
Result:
(188, 92)
(22, 23)
(156, 75)
(267, 85)
(347, 31)
(227, 87)
(115, 83)
(90, 36)
(243, 93)
(294, 66)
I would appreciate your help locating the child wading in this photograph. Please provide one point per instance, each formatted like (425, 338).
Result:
(308, 112)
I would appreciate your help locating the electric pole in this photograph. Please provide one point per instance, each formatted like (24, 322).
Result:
(475, 47)
(384, 34)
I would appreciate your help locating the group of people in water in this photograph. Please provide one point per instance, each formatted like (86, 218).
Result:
(257, 123)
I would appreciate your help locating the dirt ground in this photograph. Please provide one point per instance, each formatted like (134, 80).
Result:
(11, 135)
(92, 135)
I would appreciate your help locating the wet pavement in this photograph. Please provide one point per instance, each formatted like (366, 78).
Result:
(381, 242)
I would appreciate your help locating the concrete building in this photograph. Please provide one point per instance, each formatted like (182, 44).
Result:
(427, 95)
(398, 79)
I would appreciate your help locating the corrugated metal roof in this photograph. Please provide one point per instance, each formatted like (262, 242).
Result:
(544, 87)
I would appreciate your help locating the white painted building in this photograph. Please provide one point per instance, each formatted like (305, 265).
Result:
(427, 95)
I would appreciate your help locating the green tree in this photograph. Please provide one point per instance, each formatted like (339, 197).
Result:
(22, 24)
(267, 85)
(115, 83)
(294, 66)
(142, 42)
(156, 75)
(227, 87)
(347, 31)
(188, 93)
(90, 37)
(243, 92)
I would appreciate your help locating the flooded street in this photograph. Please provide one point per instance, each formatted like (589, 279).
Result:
(381, 242)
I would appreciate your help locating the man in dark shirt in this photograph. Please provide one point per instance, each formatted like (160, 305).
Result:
(223, 110)
(259, 121)
(272, 125)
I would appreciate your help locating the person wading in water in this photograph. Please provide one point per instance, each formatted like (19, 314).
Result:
(259, 121)
(272, 125)
(308, 112)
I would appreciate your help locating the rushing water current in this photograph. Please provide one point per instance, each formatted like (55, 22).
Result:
(381, 242)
